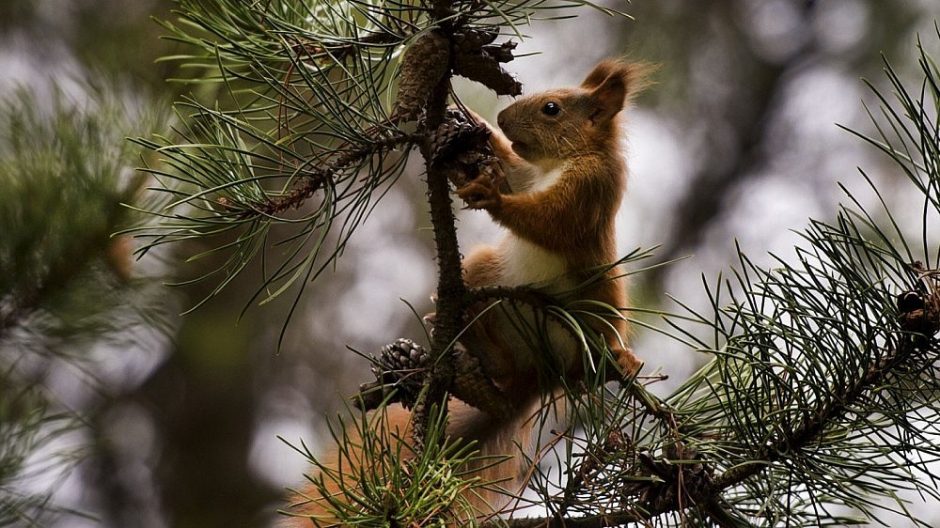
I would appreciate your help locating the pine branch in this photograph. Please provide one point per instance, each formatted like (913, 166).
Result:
(64, 195)
(451, 291)
(310, 182)
(66, 288)
(700, 490)
(849, 398)
(66, 268)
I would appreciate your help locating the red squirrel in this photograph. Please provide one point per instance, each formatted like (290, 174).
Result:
(560, 152)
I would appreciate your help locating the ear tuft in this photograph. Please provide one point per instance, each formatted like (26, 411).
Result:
(636, 75)
(601, 72)
(613, 83)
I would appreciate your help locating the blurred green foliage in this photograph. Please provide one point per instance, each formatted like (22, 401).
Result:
(66, 285)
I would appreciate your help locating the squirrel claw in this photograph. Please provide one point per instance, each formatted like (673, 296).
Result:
(481, 193)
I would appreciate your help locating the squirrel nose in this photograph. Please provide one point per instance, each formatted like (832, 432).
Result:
(500, 119)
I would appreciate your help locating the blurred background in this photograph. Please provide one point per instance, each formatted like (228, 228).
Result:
(182, 418)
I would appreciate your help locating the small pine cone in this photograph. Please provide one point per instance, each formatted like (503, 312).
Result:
(910, 301)
(918, 313)
(457, 138)
(472, 40)
(474, 386)
(485, 69)
(454, 114)
(502, 52)
(423, 65)
(443, 139)
(404, 354)
(402, 364)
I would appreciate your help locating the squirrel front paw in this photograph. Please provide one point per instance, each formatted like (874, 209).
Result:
(474, 117)
(481, 193)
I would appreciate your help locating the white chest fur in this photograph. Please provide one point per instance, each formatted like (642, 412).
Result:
(527, 263)
(524, 262)
(534, 179)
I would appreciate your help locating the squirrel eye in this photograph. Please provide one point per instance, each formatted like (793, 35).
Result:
(551, 108)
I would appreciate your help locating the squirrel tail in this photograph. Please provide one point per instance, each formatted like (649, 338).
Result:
(498, 442)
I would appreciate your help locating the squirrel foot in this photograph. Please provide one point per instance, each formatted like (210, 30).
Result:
(629, 364)
(429, 319)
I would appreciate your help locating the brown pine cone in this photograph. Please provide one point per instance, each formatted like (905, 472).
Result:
(423, 64)
(474, 386)
(403, 365)
(457, 137)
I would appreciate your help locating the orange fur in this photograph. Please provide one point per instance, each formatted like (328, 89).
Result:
(572, 217)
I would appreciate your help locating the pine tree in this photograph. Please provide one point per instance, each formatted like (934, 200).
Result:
(822, 389)
(819, 405)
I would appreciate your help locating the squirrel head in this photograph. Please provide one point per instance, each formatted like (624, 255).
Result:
(551, 126)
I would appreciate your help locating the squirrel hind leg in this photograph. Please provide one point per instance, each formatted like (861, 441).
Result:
(482, 267)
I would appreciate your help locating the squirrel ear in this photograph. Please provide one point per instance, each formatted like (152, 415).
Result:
(612, 83)
(601, 72)
(608, 97)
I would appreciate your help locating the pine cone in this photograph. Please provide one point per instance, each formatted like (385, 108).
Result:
(476, 388)
(471, 40)
(455, 137)
(454, 114)
(485, 69)
(910, 301)
(424, 63)
(402, 364)
(502, 52)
